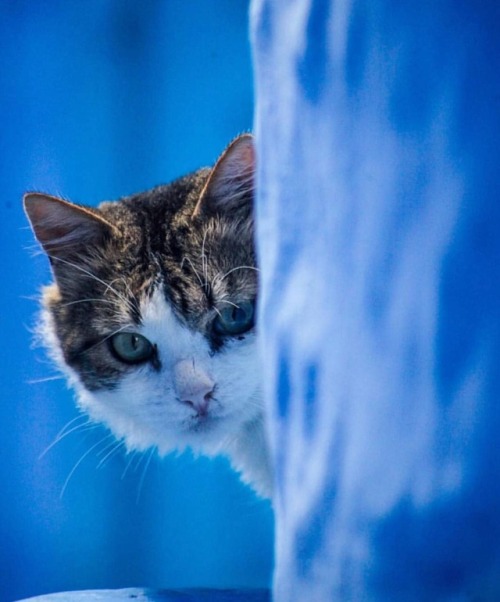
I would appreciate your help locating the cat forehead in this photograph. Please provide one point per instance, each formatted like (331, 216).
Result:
(151, 226)
(161, 326)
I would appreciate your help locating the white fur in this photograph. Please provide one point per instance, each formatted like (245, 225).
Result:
(145, 410)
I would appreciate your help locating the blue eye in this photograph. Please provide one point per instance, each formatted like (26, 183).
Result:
(235, 319)
(131, 348)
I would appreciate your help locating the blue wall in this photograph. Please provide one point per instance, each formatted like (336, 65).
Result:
(97, 100)
(378, 128)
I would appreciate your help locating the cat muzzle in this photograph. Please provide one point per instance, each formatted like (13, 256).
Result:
(193, 386)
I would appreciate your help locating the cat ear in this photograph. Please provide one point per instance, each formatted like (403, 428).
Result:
(61, 227)
(230, 186)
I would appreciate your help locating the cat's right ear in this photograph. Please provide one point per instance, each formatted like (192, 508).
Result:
(61, 227)
(230, 186)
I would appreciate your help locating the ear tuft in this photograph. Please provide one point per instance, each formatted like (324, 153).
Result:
(62, 227)
(230, 186)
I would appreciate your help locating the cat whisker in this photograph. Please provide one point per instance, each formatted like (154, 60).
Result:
(132, 304)
(143, 475)
(44, 361)
(219, 279)
(73, 470)
(71, 422)
(115, 446)
(37, 381)
(188, 259)
(107, 285)
(217, 312)
(89, 300)
(133, 455)
(34, 250)
(229, 302)
(30, 298)
(135, 302)
(86, 426)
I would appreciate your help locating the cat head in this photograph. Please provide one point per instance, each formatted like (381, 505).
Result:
(152, 309)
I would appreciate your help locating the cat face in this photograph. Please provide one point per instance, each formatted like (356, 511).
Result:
(189, 394)
(151, 314)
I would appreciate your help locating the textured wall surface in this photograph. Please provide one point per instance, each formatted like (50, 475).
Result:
(97, 100)
(379, 219)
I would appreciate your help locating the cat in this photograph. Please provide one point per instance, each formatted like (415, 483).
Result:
(151, 314)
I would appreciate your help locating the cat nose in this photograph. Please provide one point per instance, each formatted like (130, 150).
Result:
(193, 386)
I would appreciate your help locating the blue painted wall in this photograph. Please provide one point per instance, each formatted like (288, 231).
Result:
(378, 128)
(97, 100)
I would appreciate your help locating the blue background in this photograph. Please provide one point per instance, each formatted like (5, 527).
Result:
(101, 99)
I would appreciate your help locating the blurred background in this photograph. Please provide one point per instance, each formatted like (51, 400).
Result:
(98, 100)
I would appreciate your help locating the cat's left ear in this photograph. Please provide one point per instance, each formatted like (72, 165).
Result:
(230, 186)
(63, 228)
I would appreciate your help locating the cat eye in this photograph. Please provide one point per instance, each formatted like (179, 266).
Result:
(235, 319)
(131, 348)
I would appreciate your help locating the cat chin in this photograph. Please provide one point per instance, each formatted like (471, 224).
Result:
(246, 450)
(207, 436)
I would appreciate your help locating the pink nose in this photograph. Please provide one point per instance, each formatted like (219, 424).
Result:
(193, 386)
